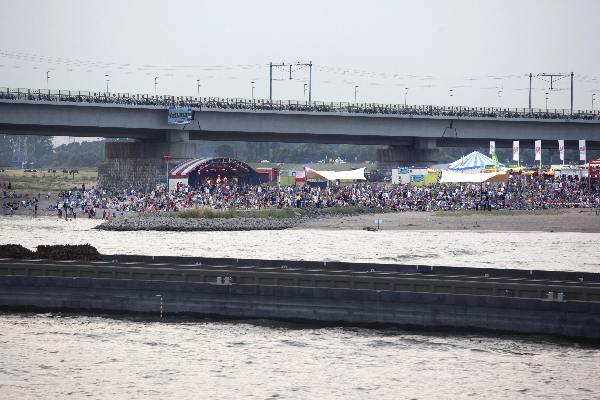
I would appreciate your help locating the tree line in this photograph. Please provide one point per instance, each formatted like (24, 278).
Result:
(39, 152)
(289, 152)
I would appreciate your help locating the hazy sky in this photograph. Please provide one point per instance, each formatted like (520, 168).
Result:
(482, 50)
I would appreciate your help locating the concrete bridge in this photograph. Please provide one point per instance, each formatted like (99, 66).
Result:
(413, 133)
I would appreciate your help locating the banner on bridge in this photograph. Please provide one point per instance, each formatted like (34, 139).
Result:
(515, 150)
(561, 150)
(538, 150)
(582, 151)
(180, 115)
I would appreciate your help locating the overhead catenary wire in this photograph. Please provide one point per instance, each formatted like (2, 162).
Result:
(333, 76)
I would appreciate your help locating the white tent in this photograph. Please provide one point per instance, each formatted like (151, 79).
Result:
(459, 177)
(471, 161)
(355, 174)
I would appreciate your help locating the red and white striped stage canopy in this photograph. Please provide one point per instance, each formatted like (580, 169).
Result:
(182, 170)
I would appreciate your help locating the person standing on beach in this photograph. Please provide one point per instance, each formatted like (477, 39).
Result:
(66, 208)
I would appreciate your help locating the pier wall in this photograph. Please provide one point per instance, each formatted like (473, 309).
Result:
(141, 165)
(579, 319)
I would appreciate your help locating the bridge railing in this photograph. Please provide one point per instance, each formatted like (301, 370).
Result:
(291, 105)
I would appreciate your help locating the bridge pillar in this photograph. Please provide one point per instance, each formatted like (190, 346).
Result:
(177, 136)
(141, 165)
(422, 152)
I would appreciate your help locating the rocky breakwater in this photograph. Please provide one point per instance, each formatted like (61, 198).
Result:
(208, 219)
(170, 223)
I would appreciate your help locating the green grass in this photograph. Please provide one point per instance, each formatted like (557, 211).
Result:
(207, 212)
(47, 182)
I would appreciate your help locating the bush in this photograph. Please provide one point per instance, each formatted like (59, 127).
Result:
(16, 251)
(206, 212)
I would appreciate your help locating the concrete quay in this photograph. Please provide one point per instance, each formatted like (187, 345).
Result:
(440, 299)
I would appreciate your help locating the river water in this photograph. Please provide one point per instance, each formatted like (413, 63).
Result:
(52, 356)
(567, 251)
(78, 356)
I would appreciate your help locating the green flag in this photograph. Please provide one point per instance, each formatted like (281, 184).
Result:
(496, 163)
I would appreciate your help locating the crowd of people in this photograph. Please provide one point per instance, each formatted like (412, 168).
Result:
(331, 107)
(13, 201)
(518, 193)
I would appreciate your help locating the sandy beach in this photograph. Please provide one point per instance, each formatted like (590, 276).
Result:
(428, 244)
(571, 220)
(568, 220)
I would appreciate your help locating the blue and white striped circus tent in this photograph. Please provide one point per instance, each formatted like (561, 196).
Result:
(470, 162)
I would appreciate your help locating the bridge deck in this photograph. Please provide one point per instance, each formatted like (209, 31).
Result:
(143, 117)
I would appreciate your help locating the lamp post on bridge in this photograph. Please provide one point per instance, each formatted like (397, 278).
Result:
(155, 84)
(405, 93)
(305, 90)
(593, 98)
(530, 77)
(252, 83)
(198, 87)
(355, 88)
(107, 80)
(47, 79)
(546, 101)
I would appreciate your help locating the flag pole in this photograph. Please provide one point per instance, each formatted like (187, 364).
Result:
(540, 158)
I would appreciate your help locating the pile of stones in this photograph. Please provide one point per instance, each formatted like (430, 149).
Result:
(165, 223)
(83, 252)
(16, 251)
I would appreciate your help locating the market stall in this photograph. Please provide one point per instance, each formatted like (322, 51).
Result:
(481, 177)
(472, 162)
(351, 175)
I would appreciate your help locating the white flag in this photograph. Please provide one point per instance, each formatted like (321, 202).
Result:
(515, 150)
(538, 150)
(561, 149)
(492, 147)
(582, 155)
